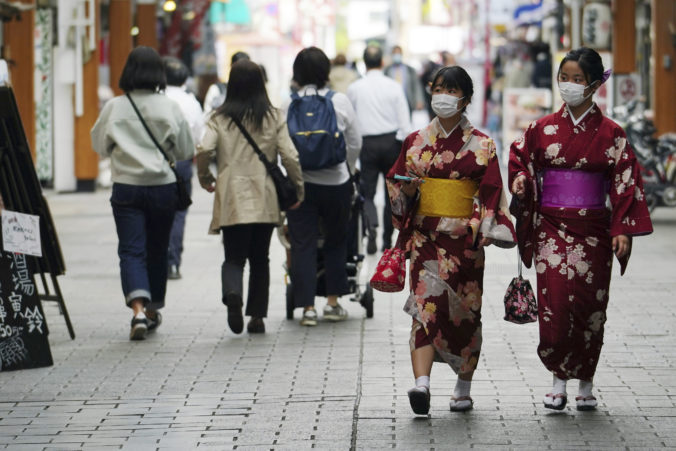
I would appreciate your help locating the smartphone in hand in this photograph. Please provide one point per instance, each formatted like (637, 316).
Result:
(406, 178)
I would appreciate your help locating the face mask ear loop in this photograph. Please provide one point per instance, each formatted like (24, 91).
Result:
(593, 90)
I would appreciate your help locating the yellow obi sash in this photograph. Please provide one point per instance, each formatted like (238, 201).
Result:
(447, 198)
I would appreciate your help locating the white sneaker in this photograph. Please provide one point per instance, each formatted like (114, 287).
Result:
(309, 318)
(334, 313)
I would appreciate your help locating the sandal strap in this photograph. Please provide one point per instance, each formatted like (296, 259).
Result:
(556, 395)
(585, 398)
(462, 398)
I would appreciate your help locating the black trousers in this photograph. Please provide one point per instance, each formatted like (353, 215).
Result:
(250, 242)
(330, 206)
(378, 155)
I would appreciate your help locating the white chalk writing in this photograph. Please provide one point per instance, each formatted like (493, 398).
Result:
(12, 351)
(15, 300)
(34, 319)
(22, 279)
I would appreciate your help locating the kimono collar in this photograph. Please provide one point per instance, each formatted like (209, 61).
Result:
(579, 119)
(591, 113)
(439, 129)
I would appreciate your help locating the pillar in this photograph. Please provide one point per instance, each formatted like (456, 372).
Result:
(146, 21)
(119, 39)
(19, 44)
(624, 36)
(664, 56)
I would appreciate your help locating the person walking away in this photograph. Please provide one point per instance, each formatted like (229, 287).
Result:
(328, 186)
(407, 78)
(581, 199)
(341, 75)
(144, 193)
(177, 73)
(215, 95)
(245, 208)
(459, 207)
(384, 121)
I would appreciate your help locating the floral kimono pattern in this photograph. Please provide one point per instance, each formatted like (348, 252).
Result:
(571, 247)
(446, 268)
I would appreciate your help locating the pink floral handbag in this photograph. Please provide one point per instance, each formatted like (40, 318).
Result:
(520, 304)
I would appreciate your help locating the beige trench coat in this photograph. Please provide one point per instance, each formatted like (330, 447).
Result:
(245, 193)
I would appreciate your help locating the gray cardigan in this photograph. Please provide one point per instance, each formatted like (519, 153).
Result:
(135, 160)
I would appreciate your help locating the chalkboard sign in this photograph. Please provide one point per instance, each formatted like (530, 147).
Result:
(21, 192)
(23, 330)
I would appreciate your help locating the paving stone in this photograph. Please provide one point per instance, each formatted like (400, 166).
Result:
(193, 384)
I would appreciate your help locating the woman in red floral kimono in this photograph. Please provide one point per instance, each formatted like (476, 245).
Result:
(458, 205)
(563, 170)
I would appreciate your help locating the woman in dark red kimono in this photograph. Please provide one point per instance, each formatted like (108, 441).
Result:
(581, 200)
(456, 196)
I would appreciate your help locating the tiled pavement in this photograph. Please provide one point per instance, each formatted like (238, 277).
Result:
(342, 386)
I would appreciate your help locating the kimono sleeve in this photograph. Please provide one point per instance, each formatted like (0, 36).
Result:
(492, 215)
(401, 203)
(520, 163)
(630, 215)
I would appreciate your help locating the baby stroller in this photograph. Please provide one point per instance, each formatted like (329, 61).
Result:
(359, 290)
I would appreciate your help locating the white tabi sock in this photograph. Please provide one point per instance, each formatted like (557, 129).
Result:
(423, 381)
(585, 389)
(462, 388)
(140, 315)
(559, 386)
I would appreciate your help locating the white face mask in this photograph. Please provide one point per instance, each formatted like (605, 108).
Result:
(445, 105)
(573, 93)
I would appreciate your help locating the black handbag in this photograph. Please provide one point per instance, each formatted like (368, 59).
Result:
(286, 190)
(183, 200)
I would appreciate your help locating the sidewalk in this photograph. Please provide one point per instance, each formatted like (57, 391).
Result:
(194, 384)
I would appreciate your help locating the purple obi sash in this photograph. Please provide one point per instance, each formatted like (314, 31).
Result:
(573, 189)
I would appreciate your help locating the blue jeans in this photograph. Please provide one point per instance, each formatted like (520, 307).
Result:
(143, 218)
(184, 169)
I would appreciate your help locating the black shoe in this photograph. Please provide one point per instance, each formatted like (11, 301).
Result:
(371, 247)
(173, 273)
(256, 326)
(235, 318)
(139, 328)
(154, 323)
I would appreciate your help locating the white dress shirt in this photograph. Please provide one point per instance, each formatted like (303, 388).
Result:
(347, 123)
(380, 104)
(190, 108)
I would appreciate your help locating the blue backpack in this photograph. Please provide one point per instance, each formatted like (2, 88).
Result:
(314, 130)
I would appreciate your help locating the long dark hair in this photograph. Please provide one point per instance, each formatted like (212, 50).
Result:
(246, 98)
(143, 70)
(589, 61)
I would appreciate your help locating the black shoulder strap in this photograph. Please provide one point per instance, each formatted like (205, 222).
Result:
(157, 144)
(248, 137)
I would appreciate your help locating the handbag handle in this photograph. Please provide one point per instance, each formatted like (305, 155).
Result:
(518, 258)
(172, 164)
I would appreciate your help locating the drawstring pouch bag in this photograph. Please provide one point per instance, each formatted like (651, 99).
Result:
(520, 304)
(390, 273)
